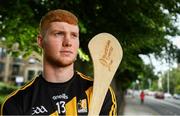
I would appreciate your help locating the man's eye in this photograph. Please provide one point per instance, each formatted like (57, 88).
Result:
(59, 34)
(74, 35)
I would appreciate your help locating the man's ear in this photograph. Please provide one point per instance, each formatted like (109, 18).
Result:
(40, 41)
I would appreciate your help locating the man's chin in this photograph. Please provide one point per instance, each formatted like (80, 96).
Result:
(65, 64)
(61, 63)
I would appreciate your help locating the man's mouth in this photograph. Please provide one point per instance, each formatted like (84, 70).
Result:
(66, 52)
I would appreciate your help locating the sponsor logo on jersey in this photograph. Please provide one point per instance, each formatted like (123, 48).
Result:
(82, 106)
(62, 96)
(38, 110)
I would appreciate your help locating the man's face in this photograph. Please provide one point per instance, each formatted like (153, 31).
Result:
(61, 43)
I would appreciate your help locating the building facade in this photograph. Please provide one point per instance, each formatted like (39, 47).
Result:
(18, 69)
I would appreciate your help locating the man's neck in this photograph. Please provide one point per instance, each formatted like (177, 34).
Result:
(58, 74)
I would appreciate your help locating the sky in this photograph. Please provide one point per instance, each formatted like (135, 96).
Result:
(161, 65)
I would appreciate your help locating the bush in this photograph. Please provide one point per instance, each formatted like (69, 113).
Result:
(177, 89)
(6, 89)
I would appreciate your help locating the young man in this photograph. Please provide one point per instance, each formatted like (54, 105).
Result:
(59, 90)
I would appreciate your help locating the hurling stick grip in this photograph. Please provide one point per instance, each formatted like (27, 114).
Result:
(106, 53)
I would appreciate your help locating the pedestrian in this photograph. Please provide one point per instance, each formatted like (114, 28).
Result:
(59, 90)
(142, 95)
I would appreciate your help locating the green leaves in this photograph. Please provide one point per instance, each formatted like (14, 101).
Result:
(83, 56)
(174, 81)
(141, 26)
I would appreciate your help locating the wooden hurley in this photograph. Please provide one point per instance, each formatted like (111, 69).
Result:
(106, 53)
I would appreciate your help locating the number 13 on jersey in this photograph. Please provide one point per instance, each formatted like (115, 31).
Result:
(61, 107)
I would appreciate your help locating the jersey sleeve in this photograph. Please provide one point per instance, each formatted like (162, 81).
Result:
(10, 107)
(110, 104)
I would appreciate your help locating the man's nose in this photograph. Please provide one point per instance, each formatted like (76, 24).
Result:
(66, 41)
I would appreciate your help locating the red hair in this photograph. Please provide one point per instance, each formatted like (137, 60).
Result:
(57, 16)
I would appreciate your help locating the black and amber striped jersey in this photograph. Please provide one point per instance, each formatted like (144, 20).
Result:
(40, 97)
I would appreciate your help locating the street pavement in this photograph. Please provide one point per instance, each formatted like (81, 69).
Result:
(134, 107)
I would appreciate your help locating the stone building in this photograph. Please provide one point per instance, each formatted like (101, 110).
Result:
(18, 69)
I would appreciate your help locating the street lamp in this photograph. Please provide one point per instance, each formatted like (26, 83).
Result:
(149, 81)
(168, 74)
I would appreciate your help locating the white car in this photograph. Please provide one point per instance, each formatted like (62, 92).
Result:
(167, 95)
(176, 96)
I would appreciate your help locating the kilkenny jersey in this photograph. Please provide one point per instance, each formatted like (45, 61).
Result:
(40, 97)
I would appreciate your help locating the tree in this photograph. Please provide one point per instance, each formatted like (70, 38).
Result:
(18, 26)
(147, 77)
(141, 26)
(155, 85)
(177, 89)
(174, 79)
(178, 55)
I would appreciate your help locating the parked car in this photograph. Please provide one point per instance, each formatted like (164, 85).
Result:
(167, 95)
(159, 95)
(151, 93)
(176, 96)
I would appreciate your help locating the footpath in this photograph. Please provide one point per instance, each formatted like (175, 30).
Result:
(134, 107)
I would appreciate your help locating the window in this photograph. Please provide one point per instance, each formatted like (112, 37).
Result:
(1, 67)
(2, 53)
(15, 69)
(31, 74)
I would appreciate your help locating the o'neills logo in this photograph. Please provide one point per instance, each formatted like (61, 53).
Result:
(38, 110)
(106, 59)
(62, 96)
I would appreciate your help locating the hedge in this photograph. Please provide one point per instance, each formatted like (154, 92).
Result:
(6, 89)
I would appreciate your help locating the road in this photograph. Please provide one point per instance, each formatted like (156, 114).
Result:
(151, 106)
(163, 106)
